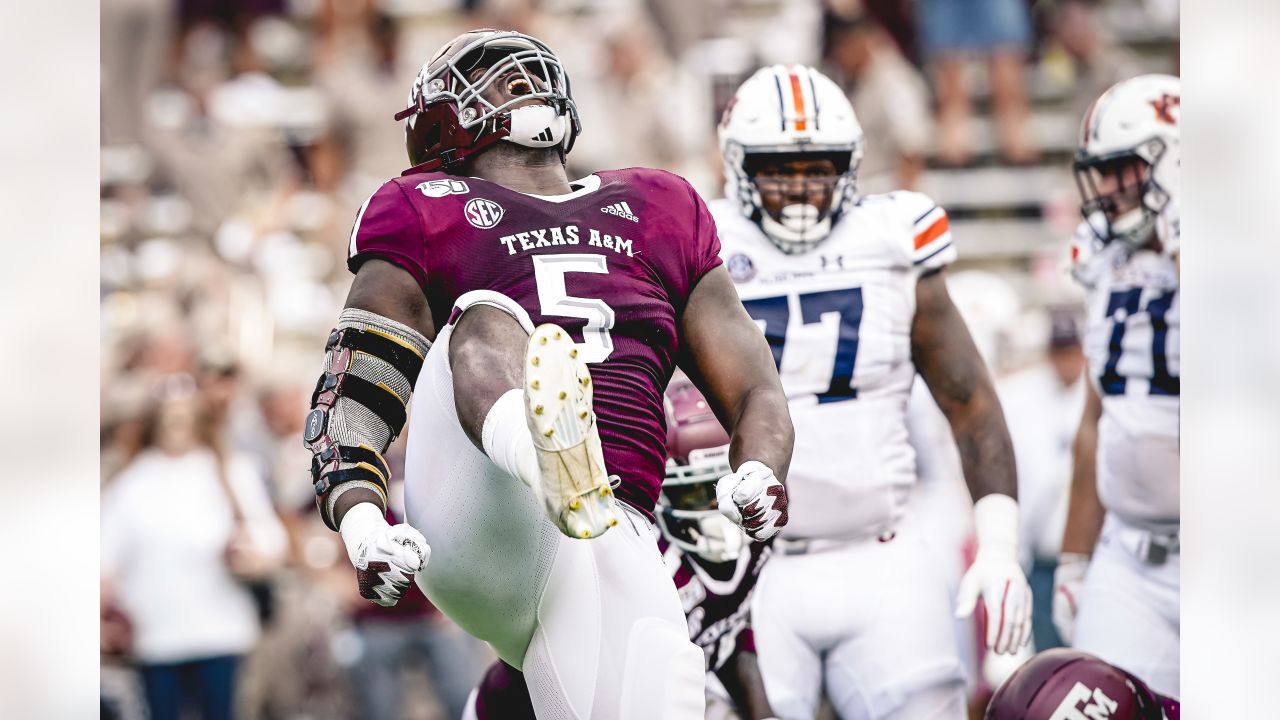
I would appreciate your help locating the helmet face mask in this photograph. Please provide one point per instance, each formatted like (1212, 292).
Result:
(796, 194)
(790, 114)
(687, 509)
(1120, 196)
(486, 86)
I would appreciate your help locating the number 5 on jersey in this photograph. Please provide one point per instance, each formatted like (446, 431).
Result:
(549, 274)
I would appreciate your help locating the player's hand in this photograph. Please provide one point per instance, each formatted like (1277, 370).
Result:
(755, 499)
(997, 578)
(386, 557)
(1068, 579)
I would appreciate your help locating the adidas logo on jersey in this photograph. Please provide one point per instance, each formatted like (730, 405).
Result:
(622, 210)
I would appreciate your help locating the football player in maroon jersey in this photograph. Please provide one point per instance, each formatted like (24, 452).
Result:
(554, 312)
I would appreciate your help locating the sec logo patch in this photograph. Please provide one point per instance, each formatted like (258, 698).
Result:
(740, 267)
(482, 213)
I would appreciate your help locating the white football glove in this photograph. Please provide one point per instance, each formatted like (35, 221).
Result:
(386, 557)
(996, 576)
(1068, 580)
(753, 498)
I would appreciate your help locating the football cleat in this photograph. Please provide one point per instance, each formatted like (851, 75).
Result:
(574, 486)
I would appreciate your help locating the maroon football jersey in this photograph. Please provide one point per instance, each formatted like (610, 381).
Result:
(612, 262)
(717, 598)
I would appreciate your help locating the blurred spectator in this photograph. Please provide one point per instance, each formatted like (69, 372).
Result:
(136, 38)
(1042, 407)
(637, 109)
(212, 135)
(889, 96)
(184, 527)
(1098, 62)
(361, 74)
(998, 31)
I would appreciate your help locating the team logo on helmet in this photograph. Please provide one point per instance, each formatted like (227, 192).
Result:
(482, 213)
(740, 268)
(1165, 105)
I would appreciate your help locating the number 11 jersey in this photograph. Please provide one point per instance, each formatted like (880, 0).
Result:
(1132, 344)
(838, 318)
(612, 262)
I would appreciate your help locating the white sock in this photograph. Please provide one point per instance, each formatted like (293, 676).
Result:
(506, 440)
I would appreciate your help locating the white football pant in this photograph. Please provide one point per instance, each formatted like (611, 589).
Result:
(870, 621)
(1129, 610)
(595, 625)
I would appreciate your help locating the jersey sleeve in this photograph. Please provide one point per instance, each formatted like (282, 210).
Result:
(388, 227)
(928, 230)
(705, 250)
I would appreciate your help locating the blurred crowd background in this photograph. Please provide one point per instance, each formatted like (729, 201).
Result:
(239, 137)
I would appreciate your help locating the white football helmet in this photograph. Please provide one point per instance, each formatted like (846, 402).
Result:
(789, 110)
(1135, 118)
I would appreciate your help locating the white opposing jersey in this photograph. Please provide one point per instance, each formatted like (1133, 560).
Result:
(838, 320)
(1132, 341)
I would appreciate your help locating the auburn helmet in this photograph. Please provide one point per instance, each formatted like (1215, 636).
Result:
(449, 118)
(790, 110)
(697, 457)
(1065, 684)
(1136, 118)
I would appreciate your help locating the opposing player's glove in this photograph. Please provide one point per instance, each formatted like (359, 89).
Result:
(386, 557)
(1068, 579)
(996, 576)
(753, 498)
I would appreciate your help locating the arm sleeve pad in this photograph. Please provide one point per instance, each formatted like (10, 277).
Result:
(359, 404)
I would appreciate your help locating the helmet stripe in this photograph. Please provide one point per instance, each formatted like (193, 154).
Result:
(813, 94)
(782, 113)
(797, 95)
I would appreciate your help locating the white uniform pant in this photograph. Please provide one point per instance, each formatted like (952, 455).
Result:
(1129, 609)
(869, 620)
(595, 625)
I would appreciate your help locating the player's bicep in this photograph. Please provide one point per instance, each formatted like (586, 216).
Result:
(722, 348)
(386, 289)
(942, 348)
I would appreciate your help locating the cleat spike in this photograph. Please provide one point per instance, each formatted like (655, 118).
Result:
(563, 394)
(575, 504)
(535, 385)
(537, 410)
(542, 340)
(586, 382)
(557, 335)
(606, 491)
(613, 522)
(573, 353)
(534, 361)
(585, 534)
(550, 432)
(583, 414)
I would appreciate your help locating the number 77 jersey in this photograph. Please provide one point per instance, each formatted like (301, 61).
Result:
(838, 319)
